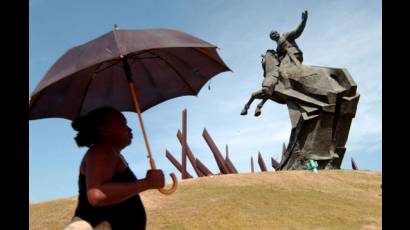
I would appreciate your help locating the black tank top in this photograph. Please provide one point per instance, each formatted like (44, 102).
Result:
(129, 214)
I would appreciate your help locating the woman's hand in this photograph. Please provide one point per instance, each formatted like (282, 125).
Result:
(155, 178)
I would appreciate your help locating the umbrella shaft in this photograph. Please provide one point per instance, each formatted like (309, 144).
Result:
(133, 91)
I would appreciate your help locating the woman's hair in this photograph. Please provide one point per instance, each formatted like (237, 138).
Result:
(88, 126)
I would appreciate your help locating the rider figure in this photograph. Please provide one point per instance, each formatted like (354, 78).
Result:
(287, 49)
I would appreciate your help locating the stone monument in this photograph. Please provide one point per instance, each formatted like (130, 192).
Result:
(322, 102)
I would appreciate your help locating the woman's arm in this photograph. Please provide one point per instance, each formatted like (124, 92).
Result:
(101, 163)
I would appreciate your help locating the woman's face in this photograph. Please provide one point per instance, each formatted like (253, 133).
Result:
(116, 131)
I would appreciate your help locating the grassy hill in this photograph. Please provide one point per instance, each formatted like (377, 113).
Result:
(331, 199)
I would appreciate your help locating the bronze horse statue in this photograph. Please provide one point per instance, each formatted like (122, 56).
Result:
(270, 66)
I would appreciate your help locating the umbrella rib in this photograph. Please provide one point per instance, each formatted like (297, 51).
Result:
(36, 98)
(136, 54)
(145, 70)
(176, 71)
(205, 54)
(87, 87)
(152, 80)
(85, 95)
(184, 62)
(115, 63)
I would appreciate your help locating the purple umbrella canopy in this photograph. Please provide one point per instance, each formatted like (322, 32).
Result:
(164, 64)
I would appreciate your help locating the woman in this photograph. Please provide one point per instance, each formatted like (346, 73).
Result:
(108, 189)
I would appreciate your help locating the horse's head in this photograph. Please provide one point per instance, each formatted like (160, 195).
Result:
(270, 61)
(263, 62)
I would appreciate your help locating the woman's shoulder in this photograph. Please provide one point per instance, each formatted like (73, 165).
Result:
(101, 157)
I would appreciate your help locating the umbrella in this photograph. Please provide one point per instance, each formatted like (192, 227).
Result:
(130, 70)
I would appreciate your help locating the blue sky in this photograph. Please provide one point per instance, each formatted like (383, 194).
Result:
(342, 34)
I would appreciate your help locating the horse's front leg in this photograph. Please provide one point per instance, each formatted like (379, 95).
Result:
(259, 107)
(248, 104)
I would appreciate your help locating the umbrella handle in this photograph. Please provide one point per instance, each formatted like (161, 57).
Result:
(173, 188)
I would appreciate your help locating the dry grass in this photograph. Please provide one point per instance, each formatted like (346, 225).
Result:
(339, 199)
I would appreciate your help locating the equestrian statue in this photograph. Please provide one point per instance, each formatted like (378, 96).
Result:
(322, 102)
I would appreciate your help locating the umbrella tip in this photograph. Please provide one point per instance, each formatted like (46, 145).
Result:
(116, 27)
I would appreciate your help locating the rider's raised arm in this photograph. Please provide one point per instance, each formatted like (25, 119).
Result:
(299, 30)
